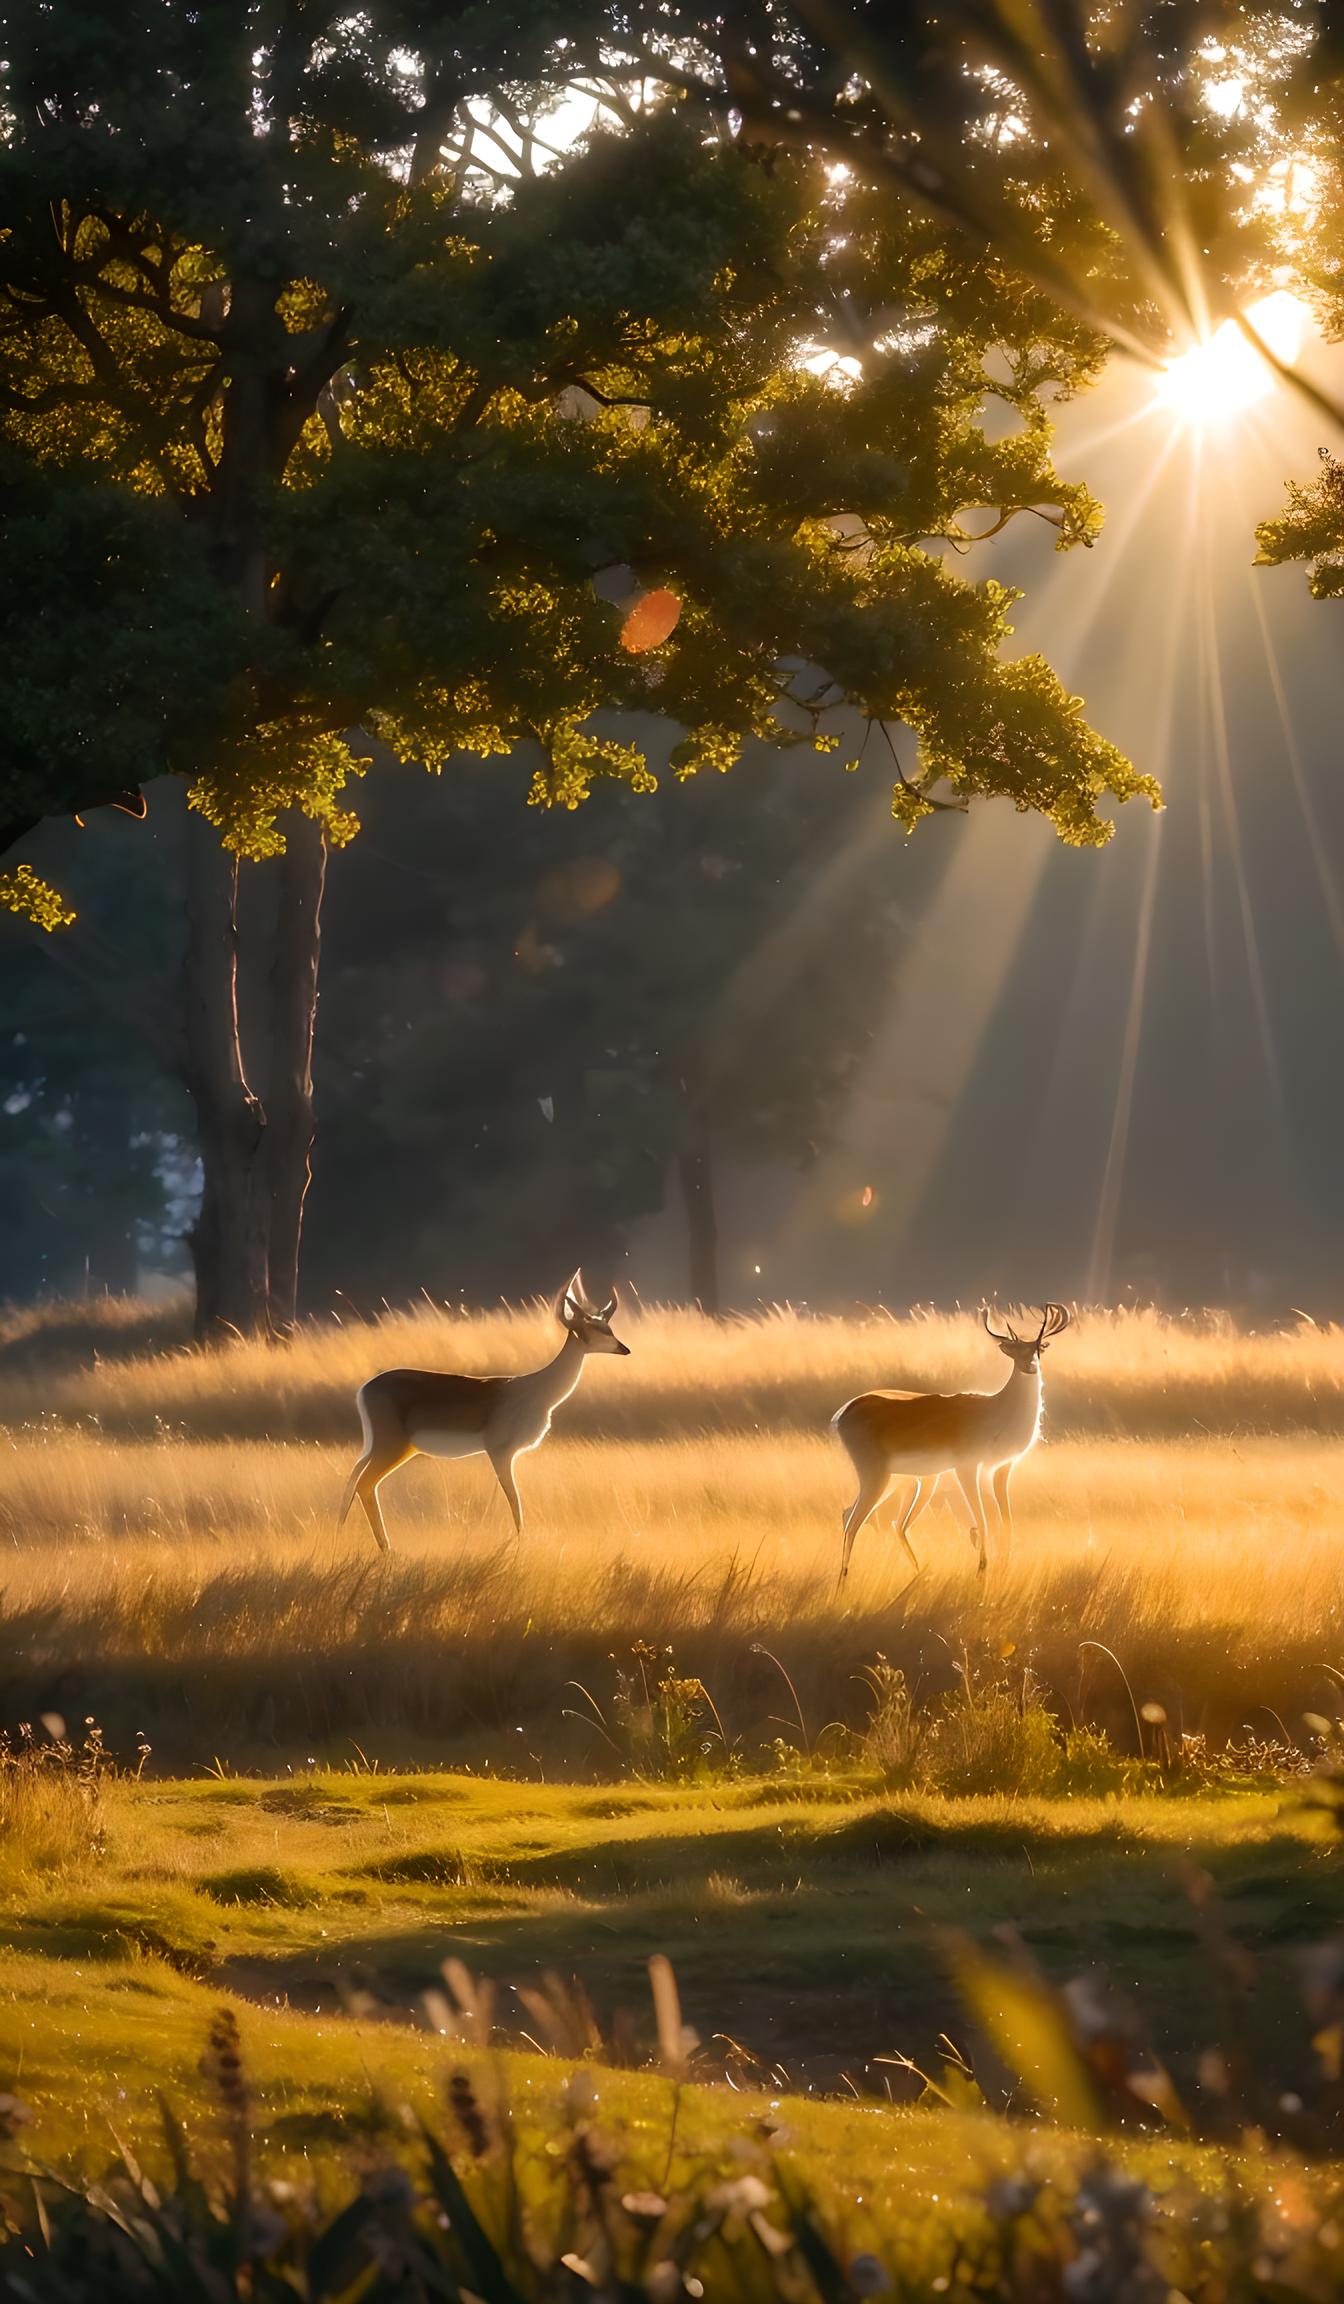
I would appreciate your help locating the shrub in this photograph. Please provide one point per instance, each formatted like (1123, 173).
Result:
(1090, 1765)
(895, 1732)
(992, 1738)
(662, 1723)
(50, 1797)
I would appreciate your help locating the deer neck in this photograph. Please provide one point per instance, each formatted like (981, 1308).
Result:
(1022, 1398)
(553, 1383)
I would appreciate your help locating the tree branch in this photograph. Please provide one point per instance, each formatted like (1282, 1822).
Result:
(441, 101)
(157, 306)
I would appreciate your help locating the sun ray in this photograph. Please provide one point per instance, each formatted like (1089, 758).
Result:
(1116, 637)
(1113, 1172)
(1070, 632)
(943, 999)
(1083, 449)
(1203, 776)
(1111, 1191)
(770, 974)
(1215, 716)
(948, 986)
(1223, 376)
(1331, 896)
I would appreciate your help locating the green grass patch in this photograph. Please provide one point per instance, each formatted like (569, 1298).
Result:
(258, 1884)
(90, 2054)
(419, 1868)
(810, 1930)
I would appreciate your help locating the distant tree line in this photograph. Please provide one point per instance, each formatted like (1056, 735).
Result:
(536, 1030)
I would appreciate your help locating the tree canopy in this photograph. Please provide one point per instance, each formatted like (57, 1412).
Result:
(316, 425)
(356, 398)
(1125, 161)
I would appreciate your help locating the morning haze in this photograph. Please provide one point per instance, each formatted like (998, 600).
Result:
(671, 1373)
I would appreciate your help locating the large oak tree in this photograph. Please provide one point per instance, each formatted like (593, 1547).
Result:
(339, 417)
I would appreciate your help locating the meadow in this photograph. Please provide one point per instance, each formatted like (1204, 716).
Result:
(171, 1561)
(654, 1724)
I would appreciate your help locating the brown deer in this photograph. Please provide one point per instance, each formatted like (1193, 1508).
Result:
(922, 1435)
(409, 1412)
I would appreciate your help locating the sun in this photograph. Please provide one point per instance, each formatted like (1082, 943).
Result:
(1218, 380)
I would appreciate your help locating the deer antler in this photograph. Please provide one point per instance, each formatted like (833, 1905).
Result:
(1009, 1336)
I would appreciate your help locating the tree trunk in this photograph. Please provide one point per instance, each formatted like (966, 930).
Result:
(695, 1173)
(289, 1096)
(255, 1159)
(230, 1242)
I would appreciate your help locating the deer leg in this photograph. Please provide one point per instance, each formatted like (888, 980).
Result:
(874, 1481)
(1002, 1475)
(919, 1501)
(367, 1480)
(504, 1474)
(385, 1447)
(352, 1486)
(967, 1477)
(953, 1488)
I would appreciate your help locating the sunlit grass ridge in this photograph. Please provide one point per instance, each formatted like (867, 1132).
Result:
(1121, 1372)
(172, 1559)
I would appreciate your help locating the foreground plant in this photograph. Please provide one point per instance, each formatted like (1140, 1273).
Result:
(51, 1788)
(472, 2206)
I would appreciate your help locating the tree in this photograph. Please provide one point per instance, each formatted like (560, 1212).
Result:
(84, 1135)
(1310, 528)
(89, 1125)
(532, 1031)
(1088, 150)
(713, 999)
(334, 424)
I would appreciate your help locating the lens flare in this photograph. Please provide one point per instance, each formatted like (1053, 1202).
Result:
(1220, 379)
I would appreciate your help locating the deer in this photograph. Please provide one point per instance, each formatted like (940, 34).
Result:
(967, 1435)
(409, 1412)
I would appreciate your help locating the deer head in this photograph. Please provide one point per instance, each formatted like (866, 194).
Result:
(589, 1323)
(1025, 1351)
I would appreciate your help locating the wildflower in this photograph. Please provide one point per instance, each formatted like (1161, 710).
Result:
(739, 2197)
(644, 2207)
(1088, 2279)
(469, 2114)
(222, 2062)
(1011, 2196)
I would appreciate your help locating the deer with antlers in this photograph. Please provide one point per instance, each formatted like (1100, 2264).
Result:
(409, 1412)
(920, 1436)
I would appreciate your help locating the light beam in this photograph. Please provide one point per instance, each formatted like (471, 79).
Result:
(1217, 380)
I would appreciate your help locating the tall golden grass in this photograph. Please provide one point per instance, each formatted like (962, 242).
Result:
(1116, 1372)
(170, 1557)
